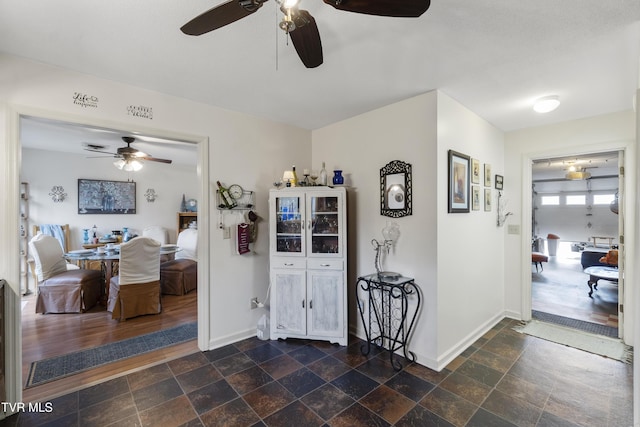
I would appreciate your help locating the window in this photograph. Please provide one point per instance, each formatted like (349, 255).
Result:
(550, 200)
(576, 199)
(603, 199)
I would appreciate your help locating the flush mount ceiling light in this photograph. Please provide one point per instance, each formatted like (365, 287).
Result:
(546, 104)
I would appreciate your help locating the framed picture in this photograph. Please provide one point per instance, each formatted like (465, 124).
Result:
(499, 182)
(475, 197)
(475, 171)
(487, 175)
(487, 200)
(459, 177)
(106, 197)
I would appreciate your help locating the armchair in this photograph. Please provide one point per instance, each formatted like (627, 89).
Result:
(61, 290)
(135, 291)
(180, 276)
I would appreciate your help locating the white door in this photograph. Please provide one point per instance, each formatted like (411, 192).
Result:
(325, 211)
(289, 310)
(287, 225)
(325, 294)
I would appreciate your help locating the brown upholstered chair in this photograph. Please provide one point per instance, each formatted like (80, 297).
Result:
(180, 276)
(135, 291)
(61, 290)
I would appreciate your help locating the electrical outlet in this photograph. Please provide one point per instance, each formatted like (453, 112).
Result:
(513, 229)
(226, 233)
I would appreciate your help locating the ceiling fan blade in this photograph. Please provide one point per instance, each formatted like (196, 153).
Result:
(155, 159)
(395, 8)
(306, 39)
(98, 151)
(220, 16)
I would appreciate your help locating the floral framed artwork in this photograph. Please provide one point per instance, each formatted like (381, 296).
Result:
(475, 171)
(487, 200)
(459, 180)
(487, 175)
(499, 182)
(475, 197)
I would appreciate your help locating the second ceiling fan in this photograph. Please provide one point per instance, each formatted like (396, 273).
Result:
(298, 23)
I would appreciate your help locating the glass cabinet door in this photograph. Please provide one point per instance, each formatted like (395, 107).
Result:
(325, 225)
(289, 225)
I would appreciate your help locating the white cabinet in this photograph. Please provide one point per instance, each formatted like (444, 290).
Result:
(307, 229)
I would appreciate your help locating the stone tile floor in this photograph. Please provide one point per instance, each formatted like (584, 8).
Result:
(503, 379)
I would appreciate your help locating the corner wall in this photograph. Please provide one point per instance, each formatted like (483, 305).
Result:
(456, 260)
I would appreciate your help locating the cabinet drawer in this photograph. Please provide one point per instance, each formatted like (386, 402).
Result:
(325, 264)
(288, 263)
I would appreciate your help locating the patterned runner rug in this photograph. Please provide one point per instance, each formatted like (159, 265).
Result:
(54, 368)
(594, 328)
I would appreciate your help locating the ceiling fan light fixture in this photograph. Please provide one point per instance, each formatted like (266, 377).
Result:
(128, 165)
(288, 4)
(577, 175)
(546, 104)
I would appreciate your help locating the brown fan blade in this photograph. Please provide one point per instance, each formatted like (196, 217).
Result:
(220, 16)
(395, 8)
(306, 39)
(154, 159)
(98, 151)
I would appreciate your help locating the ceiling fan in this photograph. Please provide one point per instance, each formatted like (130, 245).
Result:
(128, 157)
(298, 23)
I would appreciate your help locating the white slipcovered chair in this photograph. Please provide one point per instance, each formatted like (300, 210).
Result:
(135, 291)
(60, 289)
(180, 276)
(157, 233)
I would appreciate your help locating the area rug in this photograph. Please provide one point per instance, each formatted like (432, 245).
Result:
(594, 328)
(596, 344)
(54, 368)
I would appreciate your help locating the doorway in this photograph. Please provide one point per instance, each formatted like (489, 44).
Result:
(575, 223)
(199, 145)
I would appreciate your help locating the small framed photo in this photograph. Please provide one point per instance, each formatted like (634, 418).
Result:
(487, 200)
(487, 175)
(475, 197)
(459, 178)
(499, 182)
(475, 171)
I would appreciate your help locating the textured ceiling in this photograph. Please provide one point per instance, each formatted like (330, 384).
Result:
(493, 56)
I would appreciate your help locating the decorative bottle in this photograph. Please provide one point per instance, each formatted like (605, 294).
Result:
(85, 236)
(323, 175)
(294, 180)
(227, 200)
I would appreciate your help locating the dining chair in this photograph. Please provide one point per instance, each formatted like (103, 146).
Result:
(135, 291)
(160, 234)
(61, 290)
(62, 234)
(180, 276)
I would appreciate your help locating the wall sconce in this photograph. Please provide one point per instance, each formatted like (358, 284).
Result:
(150, 195)
(502, 215)
(57, 194)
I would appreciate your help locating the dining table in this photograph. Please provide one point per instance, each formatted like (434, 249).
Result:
(109, 259)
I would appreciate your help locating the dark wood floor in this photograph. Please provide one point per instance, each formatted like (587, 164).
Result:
(50, 335)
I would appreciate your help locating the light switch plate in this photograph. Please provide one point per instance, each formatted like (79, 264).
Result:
(513, 229)
(226, 233)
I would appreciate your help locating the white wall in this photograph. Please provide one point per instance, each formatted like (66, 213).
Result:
(598, 134)
(455, 259)
(44, 169)
(242, 149)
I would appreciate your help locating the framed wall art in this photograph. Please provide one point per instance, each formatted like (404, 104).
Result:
(499, 182)
(475, 197)
(487, 200)
(475, 171)
(106, 197)
(487, 175)
(459, 178)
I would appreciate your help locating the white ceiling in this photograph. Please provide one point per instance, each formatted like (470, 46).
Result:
(493, 56)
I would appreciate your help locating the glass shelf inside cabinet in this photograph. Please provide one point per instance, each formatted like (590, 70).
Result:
(288, 225)
(325, 226)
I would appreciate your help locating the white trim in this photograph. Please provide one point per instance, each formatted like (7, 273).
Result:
(13, 163)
